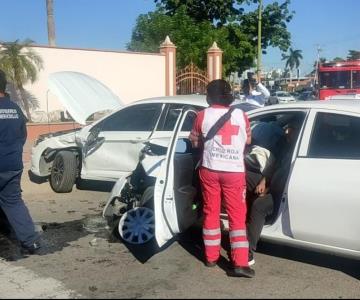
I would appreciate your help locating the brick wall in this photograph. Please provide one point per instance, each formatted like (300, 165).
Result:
(36, 129)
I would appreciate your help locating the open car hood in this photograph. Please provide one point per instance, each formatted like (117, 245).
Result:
(82, 95)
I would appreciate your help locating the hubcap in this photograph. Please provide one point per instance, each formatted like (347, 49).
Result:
(137, 225)
(58, 171)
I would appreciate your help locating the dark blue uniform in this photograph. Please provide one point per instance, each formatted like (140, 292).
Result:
(12, 139)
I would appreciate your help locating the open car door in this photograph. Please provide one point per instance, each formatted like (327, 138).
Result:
(175, 194)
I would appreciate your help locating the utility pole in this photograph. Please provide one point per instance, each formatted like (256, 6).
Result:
(317, 65)
(50, 22)
(259, 43)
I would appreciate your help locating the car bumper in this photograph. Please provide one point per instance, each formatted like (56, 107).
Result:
(36, 178)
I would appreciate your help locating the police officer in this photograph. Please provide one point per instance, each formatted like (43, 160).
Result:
(12, 138)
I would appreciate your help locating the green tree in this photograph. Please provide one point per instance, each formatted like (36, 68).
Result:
(275, 75)
(219, 11)
(193, 25)
(353, 55)
(337, 59)
(192, 39)
(292, 60)
(275, 17)
(21, 65)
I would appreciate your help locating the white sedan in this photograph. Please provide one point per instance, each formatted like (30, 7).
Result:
(318, 205)
(284, 97)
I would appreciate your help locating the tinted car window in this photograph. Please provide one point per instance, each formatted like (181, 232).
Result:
(335, 136)
(335, 80)
(140, 117)
(355, 79)
(172, 116)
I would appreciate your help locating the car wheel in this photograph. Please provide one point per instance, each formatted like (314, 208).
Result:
(137, 226)
(63, 172)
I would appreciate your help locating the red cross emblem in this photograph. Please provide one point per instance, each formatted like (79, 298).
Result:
(227, 131)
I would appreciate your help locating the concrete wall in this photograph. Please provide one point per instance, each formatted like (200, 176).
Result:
(131, 76)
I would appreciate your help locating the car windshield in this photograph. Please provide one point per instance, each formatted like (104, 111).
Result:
(335, 80)
(355, 79)
(283, 94)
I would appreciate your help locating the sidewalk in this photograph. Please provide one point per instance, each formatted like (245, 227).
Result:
(21, 283)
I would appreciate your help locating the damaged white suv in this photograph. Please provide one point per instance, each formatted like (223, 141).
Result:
(108, 148)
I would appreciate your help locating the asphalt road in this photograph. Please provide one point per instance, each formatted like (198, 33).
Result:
(80, 259)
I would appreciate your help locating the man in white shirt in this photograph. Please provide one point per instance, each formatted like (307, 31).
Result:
(255, 93)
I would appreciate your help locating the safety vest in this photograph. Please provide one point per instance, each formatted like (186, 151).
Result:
(224, 152)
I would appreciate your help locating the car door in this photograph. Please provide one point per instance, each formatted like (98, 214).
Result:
(168, 120)
(174, 194)
(113, 145)
(285, 153)
(323, 196)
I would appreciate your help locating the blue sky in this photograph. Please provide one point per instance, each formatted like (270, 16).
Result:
(107, 24)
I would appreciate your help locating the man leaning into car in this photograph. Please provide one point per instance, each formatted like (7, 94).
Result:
(222, 173)
(12, 138)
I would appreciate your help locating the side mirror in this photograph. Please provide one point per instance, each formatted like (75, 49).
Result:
(93, 142)
(93, 135)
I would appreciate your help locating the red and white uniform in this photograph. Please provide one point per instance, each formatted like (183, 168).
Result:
(222, 175)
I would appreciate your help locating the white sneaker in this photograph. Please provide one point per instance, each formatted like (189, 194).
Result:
(251, 262)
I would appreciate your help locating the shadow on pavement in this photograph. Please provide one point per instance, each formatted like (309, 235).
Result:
(54, 237)
(141, 252)
(348, 266)
(192, 242)
(57, 236)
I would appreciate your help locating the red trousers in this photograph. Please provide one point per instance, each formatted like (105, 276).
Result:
(232, 188)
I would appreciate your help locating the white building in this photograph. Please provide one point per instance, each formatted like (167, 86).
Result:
(129, 75)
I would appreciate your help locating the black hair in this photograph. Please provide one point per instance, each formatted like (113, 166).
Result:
(219, 92)
(247, 84)
(3, 81)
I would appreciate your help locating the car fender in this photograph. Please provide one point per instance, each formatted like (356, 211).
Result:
(55, 143)
(115, 193)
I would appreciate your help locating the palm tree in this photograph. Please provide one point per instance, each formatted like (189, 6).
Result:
(353, 55)
(50, 22)
(21, 64)
(292, 60)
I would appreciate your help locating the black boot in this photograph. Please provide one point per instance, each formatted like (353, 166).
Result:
(246, 272)
(32, 249)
